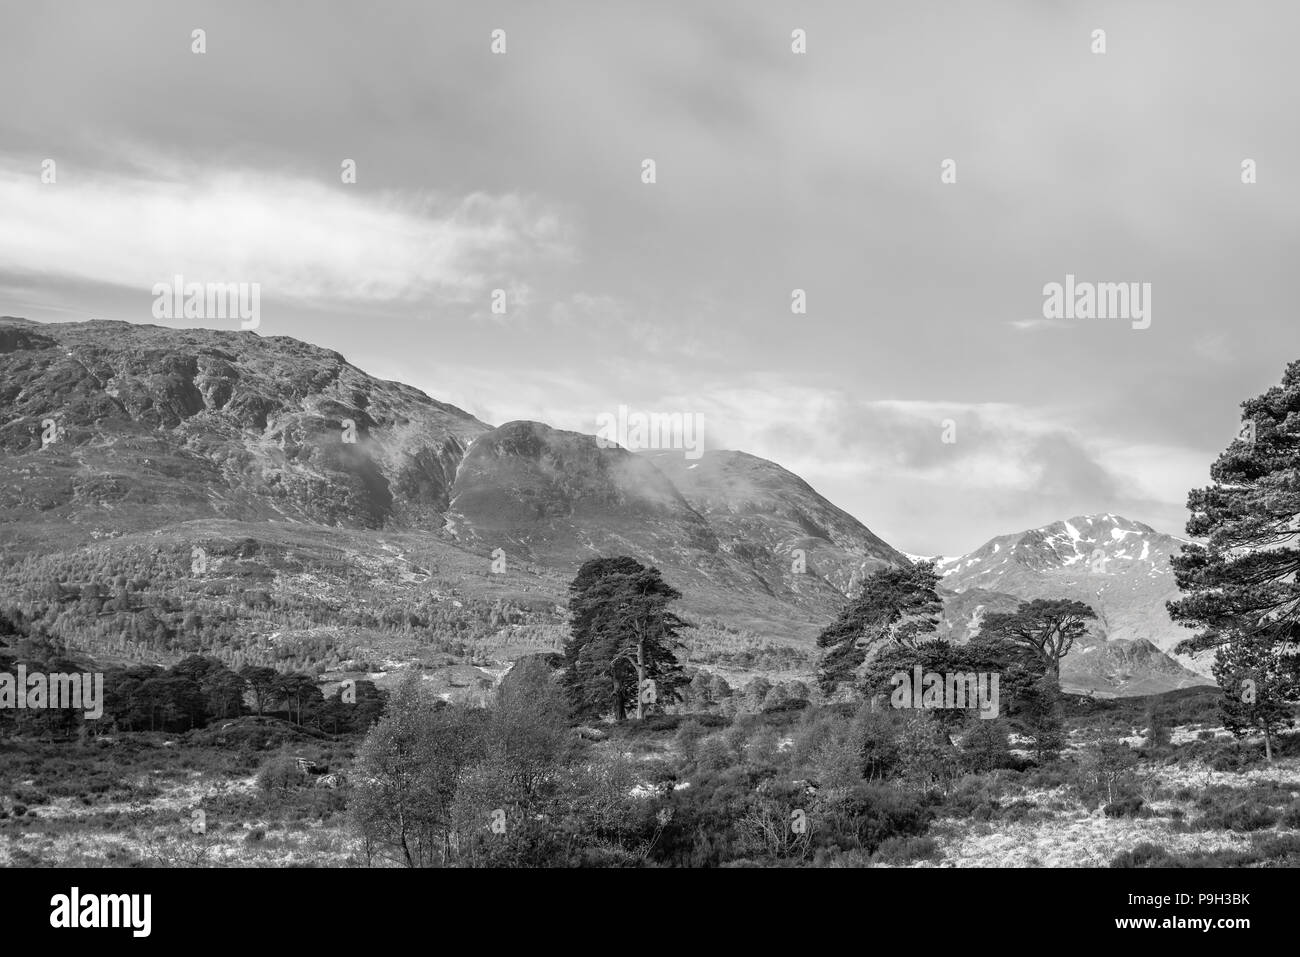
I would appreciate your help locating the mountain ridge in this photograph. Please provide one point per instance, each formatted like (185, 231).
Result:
(158, 431)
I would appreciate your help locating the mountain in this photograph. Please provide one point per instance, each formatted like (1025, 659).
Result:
(165, 491)
(1117, 566)
(341, 513)
(109, 427)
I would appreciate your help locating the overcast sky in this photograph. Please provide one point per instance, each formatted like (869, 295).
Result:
(775, 171)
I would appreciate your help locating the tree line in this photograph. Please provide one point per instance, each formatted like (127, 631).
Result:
(193, 693)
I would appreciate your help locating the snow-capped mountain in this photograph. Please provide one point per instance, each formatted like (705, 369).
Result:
(1117, 566)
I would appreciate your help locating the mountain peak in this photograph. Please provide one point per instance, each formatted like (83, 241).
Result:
(1118, 566)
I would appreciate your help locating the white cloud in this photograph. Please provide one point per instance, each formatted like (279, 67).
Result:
(304, 241)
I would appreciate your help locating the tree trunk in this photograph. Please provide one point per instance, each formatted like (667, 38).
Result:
(1268, 746)
(620, 711)
(640, 678)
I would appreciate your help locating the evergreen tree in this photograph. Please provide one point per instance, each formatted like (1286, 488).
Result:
(898, 604)
(624, 639)
(1045, 627)
(1240, 587)
(1257, 682)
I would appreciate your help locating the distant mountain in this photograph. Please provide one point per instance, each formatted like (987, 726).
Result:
(1117, 566)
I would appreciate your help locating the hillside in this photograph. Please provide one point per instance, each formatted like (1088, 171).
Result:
(166, 491)
(344, 518)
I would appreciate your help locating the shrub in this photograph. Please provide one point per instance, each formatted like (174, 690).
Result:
(829, 749)
(714, 753)
(280, 774)
(688, 739)
(762, 747)
(986, 746)
(1291, 816)
(1124, 807)
(1145, 854)
(864, 817)
(879, 748)
(974, 796)
(1158, 733)
(902, 850)
(1245, 815)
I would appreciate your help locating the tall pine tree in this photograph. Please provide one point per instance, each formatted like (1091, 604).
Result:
(1240, 587)
(622, 647)
(898, 603)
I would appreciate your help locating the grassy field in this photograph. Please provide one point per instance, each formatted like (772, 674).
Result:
(232, 793)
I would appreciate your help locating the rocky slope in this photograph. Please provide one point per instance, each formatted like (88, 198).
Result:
(108, 428)
(111, 431)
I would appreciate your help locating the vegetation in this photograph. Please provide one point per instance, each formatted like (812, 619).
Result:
(1240, 587)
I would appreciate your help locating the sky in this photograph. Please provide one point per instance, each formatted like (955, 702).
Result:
(822, 171)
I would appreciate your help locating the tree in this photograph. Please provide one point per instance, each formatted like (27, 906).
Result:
(623, 640)
(263, 683)
(1240, 584)
(1110, 763)
(1046, 627)
(410, 765)
(584, 611)
(898, 603)
(528, 731)
(225, 692)
(1158, 733)
(297, 689)
(1257, 681)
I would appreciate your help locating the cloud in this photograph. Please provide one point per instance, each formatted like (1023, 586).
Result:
(304, 241)
(1035, 325)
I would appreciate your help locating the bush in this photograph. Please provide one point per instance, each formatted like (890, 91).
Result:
(974, 796)
(864, 817)
(714, 754)
(1246, 815)
(1145, 854)
(986, 746)
(762, 748)
(902, 850)
(828, 748)
(1291, 816)
(688, 739)
(1124, 807)
(1158, 733)
(280, 774)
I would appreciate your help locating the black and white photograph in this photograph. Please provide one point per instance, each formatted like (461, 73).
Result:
(574, 436)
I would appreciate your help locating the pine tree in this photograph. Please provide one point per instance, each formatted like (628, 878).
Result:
(1257, 681)
(1240, 588)
(624, 638)
(1047, 628)
(897, 604)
